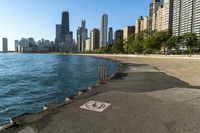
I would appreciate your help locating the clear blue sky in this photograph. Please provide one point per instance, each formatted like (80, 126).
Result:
(37, 18)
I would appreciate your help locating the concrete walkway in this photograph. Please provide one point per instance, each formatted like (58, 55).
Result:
(143, 100)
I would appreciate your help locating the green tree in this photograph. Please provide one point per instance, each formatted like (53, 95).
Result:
(118, 47)
(149, 44)
(191, 41)
(128, 44)
(137, 46)
(174, 42)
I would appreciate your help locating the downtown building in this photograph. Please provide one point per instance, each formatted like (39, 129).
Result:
(64, 37)
(92, 43)
(186, 17)
(17, 46)
(82, 33)
(141, 24)
(176, 16)
(153, 8)
(103, 31)
(31, 46)
(119, 36)
(128, 32)
(94, 39)
(5, 45)
(167, 15)
(160, 15)
(159, 19)
(110, 35)
(87, 45)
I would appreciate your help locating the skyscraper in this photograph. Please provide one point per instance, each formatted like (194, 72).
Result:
(110, 36)
(167, 14)
(153, 7)
(94, 38)
(119, 35)
(186, 17)
(176, 17)
(138, 25)
(5, 44)
(196, 22)
(64, 37)
(103, 30)
(17, 46)
(82, 36)
(144, 25)
(128, 32)
(58, 32)
(65, 23)
(159, 18)
(87, 45)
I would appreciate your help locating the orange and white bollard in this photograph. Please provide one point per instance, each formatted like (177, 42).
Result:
(102, 75)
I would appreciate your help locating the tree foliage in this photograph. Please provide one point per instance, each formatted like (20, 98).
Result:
(156, 42)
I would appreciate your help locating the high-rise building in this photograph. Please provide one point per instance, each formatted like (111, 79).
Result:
(103, 30)
(110, 36)
(87, 45)
(159, 18)
(167, 15)
(196, 23)
(128, 32)
(58, 33)
(153, 7)
(119, 35)
(138, 25)
(65, 23)
(82, 36)
(141, 24)
(64, 37)
(186, 17)
(17, 46)
(24, 45)
(144, 25)
(94, 39)
(5, 44)
(176, 17)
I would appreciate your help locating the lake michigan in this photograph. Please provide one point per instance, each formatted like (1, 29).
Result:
(30, 81)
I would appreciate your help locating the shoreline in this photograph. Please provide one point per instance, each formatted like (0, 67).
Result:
(157, 90)
(195, 56)
(143, 56)
(68, 100)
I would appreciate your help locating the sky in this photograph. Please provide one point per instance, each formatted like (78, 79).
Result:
(37, 18)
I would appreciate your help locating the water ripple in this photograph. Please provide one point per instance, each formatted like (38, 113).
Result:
(29, 81)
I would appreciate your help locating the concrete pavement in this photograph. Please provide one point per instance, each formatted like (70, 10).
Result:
(143, 100)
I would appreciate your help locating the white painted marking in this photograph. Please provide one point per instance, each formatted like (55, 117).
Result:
(45, 108)
(67, 99)
(95, 106)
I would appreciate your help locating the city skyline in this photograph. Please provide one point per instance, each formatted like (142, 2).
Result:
(29, 22)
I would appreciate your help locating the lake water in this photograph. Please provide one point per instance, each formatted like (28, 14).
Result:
(29, 81)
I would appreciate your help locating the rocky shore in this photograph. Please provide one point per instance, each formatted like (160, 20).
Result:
(149, 94)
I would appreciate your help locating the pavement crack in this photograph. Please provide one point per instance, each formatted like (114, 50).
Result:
(191, 100)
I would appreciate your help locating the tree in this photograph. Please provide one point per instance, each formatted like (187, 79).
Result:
(191, 41)
(137, 46)
(128, 44)
(174, 42)
(118, 47)
(157, 41)
(149, 44)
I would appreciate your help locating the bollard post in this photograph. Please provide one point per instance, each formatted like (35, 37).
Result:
(102, 75)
